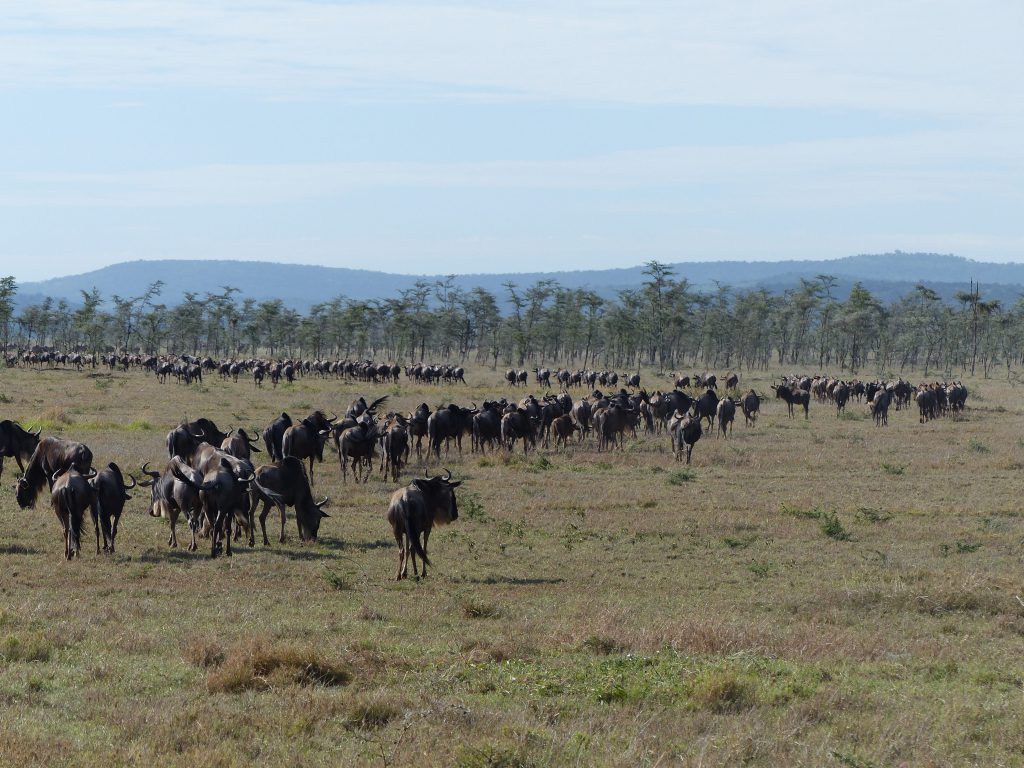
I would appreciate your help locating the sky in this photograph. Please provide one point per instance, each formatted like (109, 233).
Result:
(481, 136)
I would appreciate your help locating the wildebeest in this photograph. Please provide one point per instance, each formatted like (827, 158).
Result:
(517, 425)
(750, 405)
(110, 492)
(52, 455)
(395, 443)
(274, 434)
(706, 407)
(685, 430)
(16, 442)
(447, 424)
(879, 407)
(793, 396)
(222, 493)
(732, 381)
(170, 497)
(70, 496)
(306, 439)
(286, 479)
(356, 444)
(186, 437)
(418, 426)
(414, 511)
(241, 445)
(726, 414)
(564, 427)
(487, 425)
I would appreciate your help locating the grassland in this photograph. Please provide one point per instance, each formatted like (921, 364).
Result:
(818, 592)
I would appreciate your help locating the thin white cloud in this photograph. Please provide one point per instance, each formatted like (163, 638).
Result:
(941, 57)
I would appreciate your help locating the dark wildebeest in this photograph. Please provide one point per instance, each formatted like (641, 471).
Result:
(750, 405)
(841, 396)
(16, 442)
(517, 425)
(70, 496)
(633, 381)
(879, 407)
(169, 497)
(223, 494)
(706, 407)
(356, 444)
(726, 414)
(306, 439)
(685, 430)
(682, 382)
(418, 427)
(287, 480)
(186, 437)
(564, 428)
(414, 511)
(522, 377)
(732, 381)
(512, 377)
(241, 445)
(446, 424)
(274, 434)
(543, 376)
(359, 407)
(614, 421)
(487, 425)
(395, 443)
(581, 411)
(52, 455)
(793, 396)
(110, 492)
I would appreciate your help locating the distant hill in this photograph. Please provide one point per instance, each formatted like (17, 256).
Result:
(888, 276)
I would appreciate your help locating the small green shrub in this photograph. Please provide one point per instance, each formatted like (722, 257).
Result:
(681, 476)
(832, 527)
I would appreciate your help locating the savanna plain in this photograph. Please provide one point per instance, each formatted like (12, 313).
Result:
(820, 592)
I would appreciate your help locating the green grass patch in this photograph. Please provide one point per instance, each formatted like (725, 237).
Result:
(893, 469)
(681, 476)
(977, 446)
(832, 527)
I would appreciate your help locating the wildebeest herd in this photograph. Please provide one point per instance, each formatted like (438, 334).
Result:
(209, 477)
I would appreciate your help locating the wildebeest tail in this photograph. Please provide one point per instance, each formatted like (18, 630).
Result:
(414, 536)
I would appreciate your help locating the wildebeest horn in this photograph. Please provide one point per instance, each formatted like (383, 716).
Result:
(333, 418)
(321, 503)
(249, 479)
(91, 472)
(37, 433)
(448, 475)
(151, 472)
(200, 436)
(255, 436)
(134, 482)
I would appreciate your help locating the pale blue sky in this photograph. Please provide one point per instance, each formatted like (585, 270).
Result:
(486, 136)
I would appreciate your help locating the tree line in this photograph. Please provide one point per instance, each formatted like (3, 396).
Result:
(666, 322)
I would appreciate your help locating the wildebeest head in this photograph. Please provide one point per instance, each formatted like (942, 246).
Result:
(439, 493)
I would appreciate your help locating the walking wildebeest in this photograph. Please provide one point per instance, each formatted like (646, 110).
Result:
(306, 439)
(274, 434)
(414, 511)
(750, 404)
(726, 414)
(685, 430)
(241, 445)
(70, 496)
(793, 396)
(110, 492)
(170, 497)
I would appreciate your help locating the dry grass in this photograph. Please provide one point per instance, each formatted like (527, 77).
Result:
(805, 593)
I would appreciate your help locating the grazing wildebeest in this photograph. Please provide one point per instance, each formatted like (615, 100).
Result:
(726, 414)
(286, 479)
(16, 442)
(306, 439)
(241, 445)
(110, 492)
(274, 434)
(52, 455)
(793, 396)
(414, 511)
(395, 443)
(70, 496)
(685, 430)
(750, 405)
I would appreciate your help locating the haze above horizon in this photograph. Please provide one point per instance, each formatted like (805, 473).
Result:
(417, 137)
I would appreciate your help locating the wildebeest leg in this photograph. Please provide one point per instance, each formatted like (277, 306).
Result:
(95, 512)
(689, 450)
(310, 471)
(227, 520)
(399, 537)
(251, 518)
(426, 535)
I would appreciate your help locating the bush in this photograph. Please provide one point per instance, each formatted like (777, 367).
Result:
(258, 664)
(722, 691)
(681, 476)
(832, 527)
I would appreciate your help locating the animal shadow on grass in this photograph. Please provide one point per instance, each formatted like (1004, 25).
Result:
(166, 555)
(329, 542)
(516, 581)
(17, 549)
